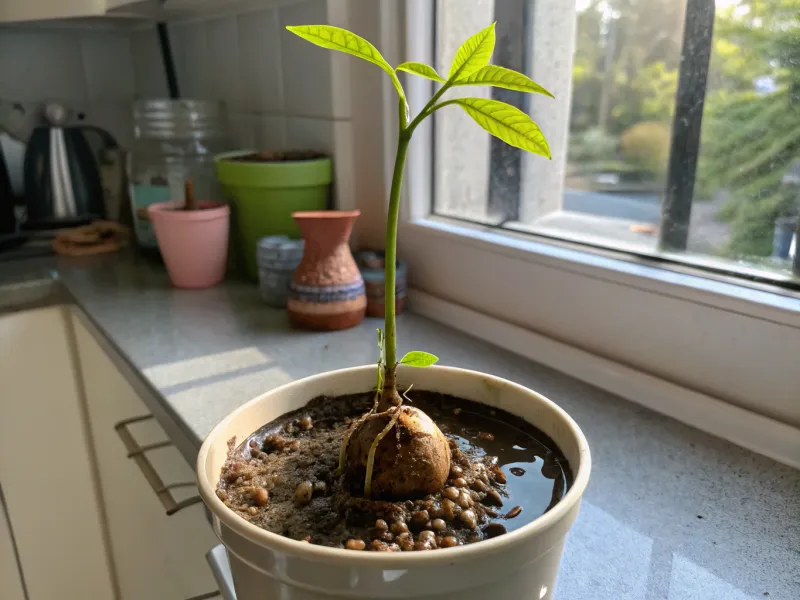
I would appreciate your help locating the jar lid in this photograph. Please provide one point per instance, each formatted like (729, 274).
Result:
(178, 119)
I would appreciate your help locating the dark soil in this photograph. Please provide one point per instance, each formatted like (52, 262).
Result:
(505, 473)
(291, 156)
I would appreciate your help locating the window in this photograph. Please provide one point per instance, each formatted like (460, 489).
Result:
(676, 133)
(580, 263)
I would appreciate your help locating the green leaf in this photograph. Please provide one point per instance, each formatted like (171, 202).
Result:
(506, 122)
(420, 69)
(473, 55)
(336, 38)
(504, 78)
(417, 358)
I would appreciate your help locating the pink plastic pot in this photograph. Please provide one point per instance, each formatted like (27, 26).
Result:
(194, 244)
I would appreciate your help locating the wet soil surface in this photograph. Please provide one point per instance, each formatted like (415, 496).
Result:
(504, 474)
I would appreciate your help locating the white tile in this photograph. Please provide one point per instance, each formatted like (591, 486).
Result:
(260, 85)
(242, 131)
(310, 134)
(306, 68)
(223, 60)
(114, 117)
(270, 132)
(190, 52)
(150, 80)
(108, 62)
(344, 176)
(41, 65)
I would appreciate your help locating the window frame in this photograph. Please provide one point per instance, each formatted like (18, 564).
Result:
(732, 309)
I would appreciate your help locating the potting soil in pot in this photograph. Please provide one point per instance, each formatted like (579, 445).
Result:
(504, 474)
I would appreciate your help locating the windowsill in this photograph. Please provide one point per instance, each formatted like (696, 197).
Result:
(759, 300)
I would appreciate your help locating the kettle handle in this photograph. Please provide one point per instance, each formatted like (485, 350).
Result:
(109, 142)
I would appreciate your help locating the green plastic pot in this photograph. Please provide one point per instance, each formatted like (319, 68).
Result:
(263, 196)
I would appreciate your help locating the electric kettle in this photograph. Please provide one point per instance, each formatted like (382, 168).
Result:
(62, 177)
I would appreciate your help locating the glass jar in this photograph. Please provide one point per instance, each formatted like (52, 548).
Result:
(174, 140)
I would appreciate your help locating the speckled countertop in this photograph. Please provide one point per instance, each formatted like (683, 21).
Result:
(670, 513)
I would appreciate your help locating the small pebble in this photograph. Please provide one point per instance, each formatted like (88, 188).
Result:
(468, 518)
(420, 518)
(494, 529)
(456, 471)
(460, 482)
(421, 546)
(306, 539)
(513, 512)
(386, 536)
(465, 500)
(499, 476)
(518, 471)
(438, 525)
(479, 486)
(449, 509)
(449, 542)
(305, 423)
(253, 444)
(475, 536)
(252, 510)
(456, 411)
(399, 527)
(381, 525)
(355, 544)
(490, 512)
(320, 487)
(428, 538)
(450, 493)
(493, 498)
(222, 495)
(261, 496)
(303, 493)
(489, 437)
(405, 542)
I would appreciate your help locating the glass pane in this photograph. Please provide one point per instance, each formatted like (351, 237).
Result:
(612, 140)
(748, 177)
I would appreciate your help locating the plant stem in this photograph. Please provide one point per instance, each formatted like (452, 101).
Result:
(403, 139)
(390, 335)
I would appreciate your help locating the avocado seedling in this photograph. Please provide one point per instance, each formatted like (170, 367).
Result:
(395, 451)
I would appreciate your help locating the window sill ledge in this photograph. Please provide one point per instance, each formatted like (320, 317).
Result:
(753, 299)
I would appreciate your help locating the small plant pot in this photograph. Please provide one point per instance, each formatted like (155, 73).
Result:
(264, 191)
(521, 564)
(193, 243)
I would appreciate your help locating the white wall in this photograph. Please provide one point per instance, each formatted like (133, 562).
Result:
(87, 67)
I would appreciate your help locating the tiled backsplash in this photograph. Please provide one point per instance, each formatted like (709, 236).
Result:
(279, 90)
(89, 69)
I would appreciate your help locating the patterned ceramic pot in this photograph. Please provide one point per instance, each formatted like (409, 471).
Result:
(327, 291)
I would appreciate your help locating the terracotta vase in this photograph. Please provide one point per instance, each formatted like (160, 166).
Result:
(327, 291)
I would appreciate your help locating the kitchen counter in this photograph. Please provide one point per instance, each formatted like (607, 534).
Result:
(670, 512)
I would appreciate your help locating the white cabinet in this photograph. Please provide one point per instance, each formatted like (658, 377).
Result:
(46, 467)
(157, 557)
(29, 10)
(11, 586)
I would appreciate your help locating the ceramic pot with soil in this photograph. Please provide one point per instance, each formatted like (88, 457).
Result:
(351, 484)
(193, 239)
(495, 529)
(265, 188)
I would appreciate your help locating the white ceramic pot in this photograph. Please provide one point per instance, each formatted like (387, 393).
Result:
(520, 565)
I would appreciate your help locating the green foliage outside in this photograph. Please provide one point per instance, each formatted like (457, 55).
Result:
(624, 83)
(751, 138)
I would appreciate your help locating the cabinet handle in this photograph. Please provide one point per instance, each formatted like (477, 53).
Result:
(139, 454)
(217, 559)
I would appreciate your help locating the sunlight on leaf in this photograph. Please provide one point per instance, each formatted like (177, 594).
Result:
(417, 358)
(504, 78)
(473, 55)
(336, 38)
(506, 122)
(420, 69)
